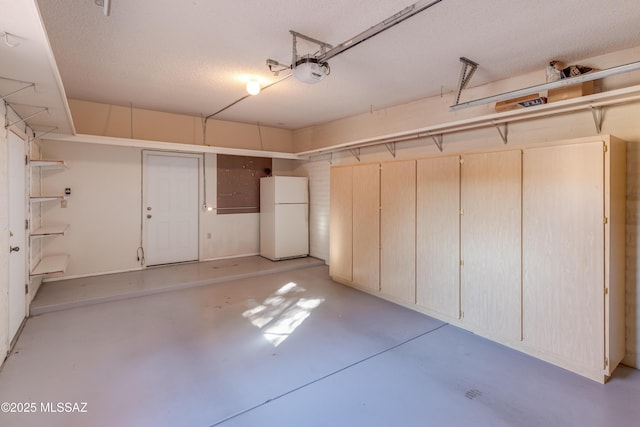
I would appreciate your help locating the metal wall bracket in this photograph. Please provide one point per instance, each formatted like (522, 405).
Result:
(44, 132)
(438, 139)
(9, 124)
(5, 35)
(504, 135)
(27, 86)
(598, 116)
(391, 146)
(468, 69)
(355, 152)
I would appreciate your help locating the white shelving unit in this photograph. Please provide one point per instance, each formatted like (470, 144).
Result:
(55, 264)
(51, 265)
(40, 199)
(52, 164)
(49, 230)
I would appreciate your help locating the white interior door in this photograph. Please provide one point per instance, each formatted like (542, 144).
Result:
(170, 208)
(17, 234)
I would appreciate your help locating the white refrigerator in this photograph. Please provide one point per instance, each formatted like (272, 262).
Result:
(284, 217)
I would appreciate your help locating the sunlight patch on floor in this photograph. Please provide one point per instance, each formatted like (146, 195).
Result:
(282, 312)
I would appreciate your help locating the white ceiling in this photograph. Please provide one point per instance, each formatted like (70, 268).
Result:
(194, 56)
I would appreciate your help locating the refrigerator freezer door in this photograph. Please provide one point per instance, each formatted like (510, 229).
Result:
(292, 231)
(290, 189)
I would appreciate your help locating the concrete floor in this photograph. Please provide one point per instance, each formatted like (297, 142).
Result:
(290, 348)
(64, 294)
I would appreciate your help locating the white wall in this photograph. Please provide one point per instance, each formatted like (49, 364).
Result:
(225, 236)
(233, 235)
(318, 174)
(104, 210)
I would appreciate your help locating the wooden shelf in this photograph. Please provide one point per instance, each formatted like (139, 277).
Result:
(52, 164)
(39, 199)
(51, 265)
(172, 146)
(49, 230)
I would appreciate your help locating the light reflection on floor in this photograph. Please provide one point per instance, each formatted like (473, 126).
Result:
(282, 312)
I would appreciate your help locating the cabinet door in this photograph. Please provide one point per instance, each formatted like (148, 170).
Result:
(366, 226)
(438, 235)
(563, 252)
(340, 227)
(398, 230)
(491, 243)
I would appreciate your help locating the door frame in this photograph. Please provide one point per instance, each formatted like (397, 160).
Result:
(143, 197)
(25, 250)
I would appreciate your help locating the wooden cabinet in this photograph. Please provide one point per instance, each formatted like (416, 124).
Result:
(573, 255)
(490, 240)
(340, 223)
(355, 225)
(398, 230)
(525, 246)
(438, 235)
(366, 226)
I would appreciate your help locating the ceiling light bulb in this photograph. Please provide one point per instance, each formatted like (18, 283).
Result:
(253, 87)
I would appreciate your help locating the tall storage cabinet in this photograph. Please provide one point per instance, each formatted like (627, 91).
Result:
(438, 235)
(490, 243)
(354, 256)
(366, 226)
(573, 255)
(341, 224)
(398, 230)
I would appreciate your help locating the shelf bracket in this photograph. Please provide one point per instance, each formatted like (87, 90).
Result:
(437, 139)
(468, 69)
(28, 85)
(355, 152)
(504, 135)
(42, 110)
(391, 146)
(44, 132)
(598, 116)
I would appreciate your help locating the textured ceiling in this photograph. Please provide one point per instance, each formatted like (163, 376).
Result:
(194, 56)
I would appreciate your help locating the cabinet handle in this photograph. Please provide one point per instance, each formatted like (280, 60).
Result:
(14, 249)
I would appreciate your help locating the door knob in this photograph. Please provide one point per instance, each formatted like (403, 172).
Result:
(148, 216)
(14, 249)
